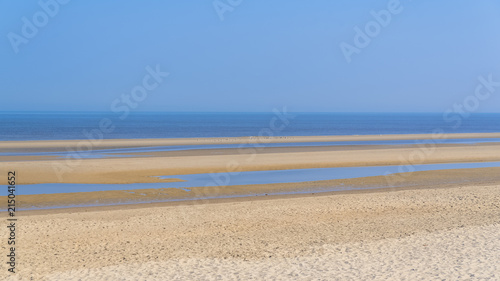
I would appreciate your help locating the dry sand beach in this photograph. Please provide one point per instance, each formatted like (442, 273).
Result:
(422, 234)
(436, 225)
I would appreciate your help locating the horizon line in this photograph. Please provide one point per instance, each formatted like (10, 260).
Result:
(154, 111)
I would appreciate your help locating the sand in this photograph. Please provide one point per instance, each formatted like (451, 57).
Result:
(63, 145)
(421, 234)
(416, 180)
(143, 169)
(465, 253)
(435, 225)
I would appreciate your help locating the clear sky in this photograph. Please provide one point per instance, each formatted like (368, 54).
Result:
(248, 55)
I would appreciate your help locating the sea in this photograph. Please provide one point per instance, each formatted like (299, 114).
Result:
(136, 125)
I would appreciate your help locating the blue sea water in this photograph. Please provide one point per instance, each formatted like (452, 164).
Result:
(73, 125)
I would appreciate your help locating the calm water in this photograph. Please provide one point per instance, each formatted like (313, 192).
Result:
(46, 126)
(243, 178)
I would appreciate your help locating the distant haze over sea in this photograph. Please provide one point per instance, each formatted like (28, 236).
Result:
(75, 125)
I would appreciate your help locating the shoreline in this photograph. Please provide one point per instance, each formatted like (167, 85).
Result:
(125, 143)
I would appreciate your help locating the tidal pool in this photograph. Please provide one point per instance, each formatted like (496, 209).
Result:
(246, 178)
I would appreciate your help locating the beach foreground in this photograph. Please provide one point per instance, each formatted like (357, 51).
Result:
(421, 234)
(430, 225)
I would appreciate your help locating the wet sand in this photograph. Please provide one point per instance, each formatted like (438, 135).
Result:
(145, 169)
(63, 145)
(405, 181)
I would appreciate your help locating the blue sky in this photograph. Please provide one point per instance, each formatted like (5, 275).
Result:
(263, 54)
